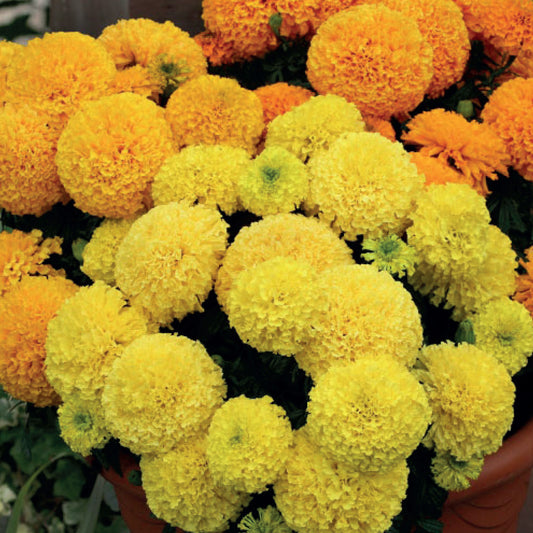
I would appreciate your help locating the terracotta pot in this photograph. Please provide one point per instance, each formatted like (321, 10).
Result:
(493, 502)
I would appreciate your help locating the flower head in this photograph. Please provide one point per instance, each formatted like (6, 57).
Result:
(205, 173)
(278, 98)
(524, 282)
(364, 185)
(109, 152)
(314, 125)
(474, 149)
(391, 254)
(452, 474)
(7, 51)
(172, 399)
(269, 521)
(381, 126)
(138, 80)
(472, 398)
(214, 110)
(372, 56)
(435, 170)
(26, 311)
(167, 262)
(216, 48)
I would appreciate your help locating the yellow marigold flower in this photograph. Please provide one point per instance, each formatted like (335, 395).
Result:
(248, 444)
(524, 282)
(29, 183)
(316, 495)
(181, 490)
(100, 252)
(504, 329)
(364, 185)
(138, 80)
(286, 235)
(452, 474)
(374, 57)
(268, 521)
(369, 313)
(90, 331)
(204, 174)
(474, 149)
(377, 421)
(278, 98)
(390, 254)
(381, 126)
(214, 110)
(471, 395)
(273, 304)
(171, 399)
(109, 152)
(23, 254)
(510, 114)
(435, 170)
(58, 72)
(82, 425)
(26, 311)
(276, 181)
(314, 125)
(7, 51)
(168, 261)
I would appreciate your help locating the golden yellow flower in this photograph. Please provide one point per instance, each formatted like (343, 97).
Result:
(248, 444)
(216, 48)
(451, 474)
(364, 185)
(472, 398)
(7, 51)
(163, 390)
(510, 114)
(435, 170)
(369, 313)
(26, 311)
(278, 98)
(23, 254)
(374, 57)
(214, 110)
(472, 148)
(138, 80)
(316, 495)
(205, 174)
(90, 331)
(314, 125)
(29, 182)
(286, 235)
(168, 261)
(181, 490)
(100, 252)
(274, 304)
(109, 152)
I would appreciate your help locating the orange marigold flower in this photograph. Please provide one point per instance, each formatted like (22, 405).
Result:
(26, 311)
(58, 72)
(509, 112)
(23, 254)
(374, 57)
(278, 98)
(109, 153)
(214, 110)
(29, 182)
(524, 282)
(138, 80)
(7, 50)
(216, 49)
(435, 170)
(472, 148)
(380, 125)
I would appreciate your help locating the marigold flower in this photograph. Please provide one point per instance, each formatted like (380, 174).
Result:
(29, 183)
(58, 72)
(26, 312)
(109, 152)
(374, 57)
(380, 125)
(524, 282)
(316, 495)
(23, 254)
(314, 125)
(180, 489)
(369, 313)
(204, 174)
(474, 149)
(276, 181)
(7, 51)
(510, 114)
(100, 252)
(216, 48)
(138, 80)
(435, 170)
(268, 521)
(451, 474)
(273, 304)
(90, 331)
(171, 400)
(248, 443)
(504, 329)
(286, 235)
(168, 261)
(471, 395)
(278, 98)
(214, 110)
(390, 254)
(82, 425)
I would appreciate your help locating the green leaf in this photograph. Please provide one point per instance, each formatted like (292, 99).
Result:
(69, 479)
(73, 512)
(77, 249)
(275, 23)
(465, 332)
(92, 511)
(117, 526)
(135, 478)
(430, 526)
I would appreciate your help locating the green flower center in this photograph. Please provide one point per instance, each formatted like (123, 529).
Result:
(82, 421)
(505, 339)
(388, 248)
(270, 175)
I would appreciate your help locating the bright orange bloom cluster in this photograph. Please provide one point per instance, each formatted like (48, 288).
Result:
(278, 98)
(524, 282)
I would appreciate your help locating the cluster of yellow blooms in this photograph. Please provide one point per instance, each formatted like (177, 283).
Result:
(132, 128)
